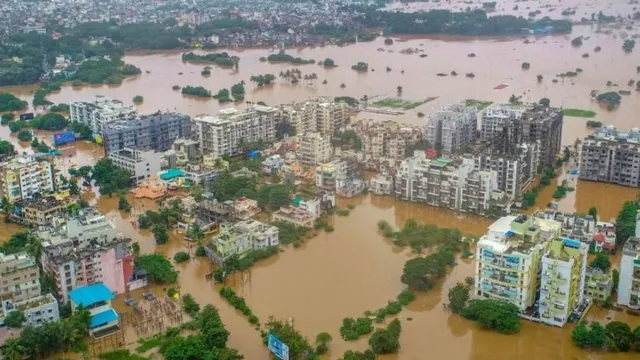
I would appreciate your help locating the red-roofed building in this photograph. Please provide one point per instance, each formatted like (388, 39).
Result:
(604, 239)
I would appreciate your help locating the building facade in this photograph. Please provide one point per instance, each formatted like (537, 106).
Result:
(321, 115)
(155, 131)
(453, 127)
(19, 276)
(313, 149)
(25, 176)
(37, 310)
(96, 299)
(38, 211)
(141, 164)
(597, 284)
(611, 156)
(239, 238)
(99, 111)
(629, 282)
(232, 130)
(562, 280)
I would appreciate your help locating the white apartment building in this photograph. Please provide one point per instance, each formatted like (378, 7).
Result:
(322, 115)
(221, 134)
(36, 310)
(381, 184)
(562, 280)
(495, 116)
(99, 111)
(141, 164)
(23, 176)
(453, 127)
(313, 149)
(508, 259)
(629, 282)
(19, 277)
(239, 238)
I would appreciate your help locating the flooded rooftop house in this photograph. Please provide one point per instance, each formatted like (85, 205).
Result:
(240, 238)
(210, 210)
(294, 215)
(38, 211)
(87, 249)
(612, 156)
(96, 299)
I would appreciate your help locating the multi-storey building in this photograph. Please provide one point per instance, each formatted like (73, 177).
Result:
(36, 310)
(313, 149)
(97, 299)
(597, 284)
(386, 140)
(232, 130)
(25, 176)
(453, 127)
(99, 111)
(445, 183)
(382, 184)
(19, 276)
(494, 118)
(508, 259)
(141, 164)
(38, 211)
(294, 215)
(239, 238)
(515, 170)
(629, 281)
(155, 131)
(600, 236)
(86, 250)
(562, 280)
(612, 156)
(322, 115)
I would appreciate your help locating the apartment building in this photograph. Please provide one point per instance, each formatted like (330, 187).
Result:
(313, 149)
(382, 184)
(37, 211)
(597, 284)
(294, 215)
(612, 156)
(515, 169)
(231, 128)
(340, 174)
(453, 127)
(495, 117)
(36, 310)
(386, 140)
(19, 276)
(598, 235)
(239, 238)
(86, 250)
(321, 115)
(141, 164)
(543, 125)
(155, 131)
(24, 177)
(99, 111)
(562, 280)
(447, 183)
(186, 151)
(508, 259)
(629, 282)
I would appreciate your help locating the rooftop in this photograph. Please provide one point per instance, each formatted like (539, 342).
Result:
(88, 295)
(39, 203)
(103, 318)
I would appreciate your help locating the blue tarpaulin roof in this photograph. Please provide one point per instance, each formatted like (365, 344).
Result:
(89, 295)
(103, 318)
(171, 174)
(571, 243)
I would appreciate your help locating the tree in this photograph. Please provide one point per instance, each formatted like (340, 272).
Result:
(34, 246)
(138, 99)
(621, 335)
(615, 276)
(458, 297)
(299, 346)
(24, 135)
(13, 349)
(494, 314)
(49, 121)
(539, 77)
(190, 306)
(6, 148)
(626, 222)
(158, 266)
(628, 45)
(544, 102)
(14, 319)
(123, 204)
(525, 66)
(195, 232)
(386, 341)
(577, 41)
(601, 261)
(591, 337)
(73, 188)
(160, 234)
(9, 102)
(181, 257)
(322, 342)
(593, 211)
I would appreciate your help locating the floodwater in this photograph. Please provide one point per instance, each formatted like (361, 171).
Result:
(301, 284)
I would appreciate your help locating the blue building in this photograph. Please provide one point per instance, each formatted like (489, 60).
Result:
(97, 299)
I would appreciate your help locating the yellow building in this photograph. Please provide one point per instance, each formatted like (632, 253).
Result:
(562, 280)
(22, 177)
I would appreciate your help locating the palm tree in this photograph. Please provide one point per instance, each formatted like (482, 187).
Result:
(13, 350)
(195, 232)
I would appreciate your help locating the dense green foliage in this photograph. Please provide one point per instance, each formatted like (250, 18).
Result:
(181, 257)
(386, 341)
(299, 346)
(626, 222)
(158, 266)
(234, 263)
(273, 197)
(9, 102)
(261, 80)
(421, 273)
(611, 99)
(601, 261)
(281, 57)
(458, 298)
(494, 314)
(238, 303)
(347, 139)
(51, 337)
(289, 233)
(353, 329)
(589, 335)
(578, 113)
(14, 319)
(220, 59)
(24, 135)
(357, 355)
(160, 234)
(360, 67)
(6, 147)
(138, 99)
(190, 306)
(64, 108)
(628, 45)
(123, 204)
(198, 91)
(422, 236)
